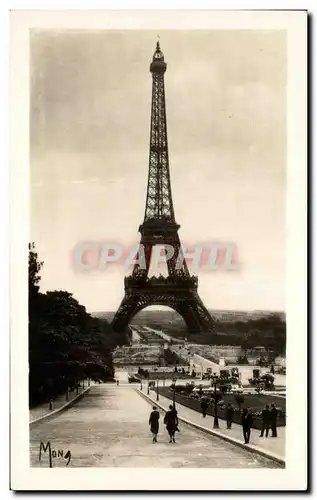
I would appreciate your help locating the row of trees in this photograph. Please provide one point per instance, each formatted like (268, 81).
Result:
(66, 344)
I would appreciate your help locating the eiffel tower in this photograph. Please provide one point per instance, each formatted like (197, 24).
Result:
(179, 289)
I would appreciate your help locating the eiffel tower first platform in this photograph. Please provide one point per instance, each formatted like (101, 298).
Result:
(179, 289)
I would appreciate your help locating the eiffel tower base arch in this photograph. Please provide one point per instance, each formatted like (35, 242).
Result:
(186, 303)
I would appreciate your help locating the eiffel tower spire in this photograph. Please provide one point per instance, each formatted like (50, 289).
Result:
(159, 204)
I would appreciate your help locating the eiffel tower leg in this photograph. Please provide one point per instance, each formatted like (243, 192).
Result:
(129, 307)
(196, 315)
(191, 319)
(200, 311)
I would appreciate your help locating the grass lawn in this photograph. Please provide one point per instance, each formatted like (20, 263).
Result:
(257, 401)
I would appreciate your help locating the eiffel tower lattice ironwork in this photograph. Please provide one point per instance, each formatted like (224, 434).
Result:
(179, 289)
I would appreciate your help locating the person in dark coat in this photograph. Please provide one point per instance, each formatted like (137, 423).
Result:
(229, 415)
(154, 423)
(273, 415)
(266, 417)
(204, 406)
(246, 422)
(171, 422)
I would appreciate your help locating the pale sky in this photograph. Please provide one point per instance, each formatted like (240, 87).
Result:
(90, 123)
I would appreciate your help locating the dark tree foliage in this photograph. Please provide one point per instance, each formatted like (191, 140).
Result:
(34, 270)
(269, 332)
(66, 344)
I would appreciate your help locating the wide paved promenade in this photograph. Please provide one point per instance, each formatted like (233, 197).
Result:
(108, 427)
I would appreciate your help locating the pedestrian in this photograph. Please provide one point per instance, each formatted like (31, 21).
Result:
(229, 415)
(204, 406)
(247, 421)
(171, 422)
(273, 418)
(154, 423)
(117, 382)
(266, 417)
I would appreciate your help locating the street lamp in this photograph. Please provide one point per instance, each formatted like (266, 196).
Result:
(157, 392)
(214, 383)
(174, 382)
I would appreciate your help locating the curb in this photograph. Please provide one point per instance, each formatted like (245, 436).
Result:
(62, 408)
(232, 440)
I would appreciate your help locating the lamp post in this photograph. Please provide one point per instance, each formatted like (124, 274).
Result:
(157, 392)
(214, 383)
(148, 386)
(174, 382)
(141, 387)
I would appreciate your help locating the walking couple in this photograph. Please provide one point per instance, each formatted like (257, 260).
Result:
(170, 420)
(269, 418)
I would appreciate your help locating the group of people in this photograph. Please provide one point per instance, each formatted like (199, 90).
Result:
(229, 411)
(269, 418)
(170, 420)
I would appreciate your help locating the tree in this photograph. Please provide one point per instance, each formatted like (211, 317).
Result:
(34, 270)
(268, 380)
(66, 345)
